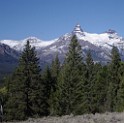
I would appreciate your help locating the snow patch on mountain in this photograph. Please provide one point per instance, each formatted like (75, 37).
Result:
(10, 43)
(106, 40)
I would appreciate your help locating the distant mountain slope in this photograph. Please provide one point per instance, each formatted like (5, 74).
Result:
(8, 59)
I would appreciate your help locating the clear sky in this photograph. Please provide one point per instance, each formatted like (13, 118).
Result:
(49, 19)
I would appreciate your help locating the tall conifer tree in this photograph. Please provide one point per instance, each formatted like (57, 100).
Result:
(100, 89)
(114, 81)
(70, 80)
(120, 93)
(25, 88)
(47, 81)
(55, 69)
(89, 84)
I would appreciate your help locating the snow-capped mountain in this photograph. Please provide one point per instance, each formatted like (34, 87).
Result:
(19, 45)
(99, 44)
(104, 40)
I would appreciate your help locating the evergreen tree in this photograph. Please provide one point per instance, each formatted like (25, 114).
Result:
(120, 93)
(47, 81)
(89, 84)
(114, 79)
(120, 97)
(100, 89)
(55, 69)
(25, 88)
(70, 81)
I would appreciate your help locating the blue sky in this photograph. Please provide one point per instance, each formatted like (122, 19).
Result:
(49, 19)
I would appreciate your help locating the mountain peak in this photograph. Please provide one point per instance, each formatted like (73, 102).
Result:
(77, 29)
(32, 40)
(111, 31)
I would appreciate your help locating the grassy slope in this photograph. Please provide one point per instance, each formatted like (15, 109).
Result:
(88, 118)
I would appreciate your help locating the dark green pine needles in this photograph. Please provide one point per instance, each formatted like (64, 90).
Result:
(25, 94)
(69, 86)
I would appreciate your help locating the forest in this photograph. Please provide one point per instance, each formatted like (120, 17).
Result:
(76, 86)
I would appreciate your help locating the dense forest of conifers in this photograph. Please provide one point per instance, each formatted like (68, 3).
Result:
(73, 87)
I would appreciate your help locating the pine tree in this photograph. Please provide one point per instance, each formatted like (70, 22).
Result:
(114, 81)
(55, 66)
(25, 89)
(100, 89)
(120, 97)
(120, 93)
(55, 69)
(70, 81)
(89, 84)
(47, 81)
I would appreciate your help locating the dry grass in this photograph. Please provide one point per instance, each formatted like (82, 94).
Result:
(87, 118)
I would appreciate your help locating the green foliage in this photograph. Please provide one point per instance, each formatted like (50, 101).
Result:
(72, 87)
(70, 80)
(120, 93)
(89, 85)
(25, 88)
(120, 96)
(114, 79)
(3, 90)
(101, 87)
(47, 81)
(55, 69)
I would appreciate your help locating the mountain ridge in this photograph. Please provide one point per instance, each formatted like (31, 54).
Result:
(99, 44)
(110, 36)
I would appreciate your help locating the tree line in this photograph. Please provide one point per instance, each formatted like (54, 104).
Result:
(76, 86)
